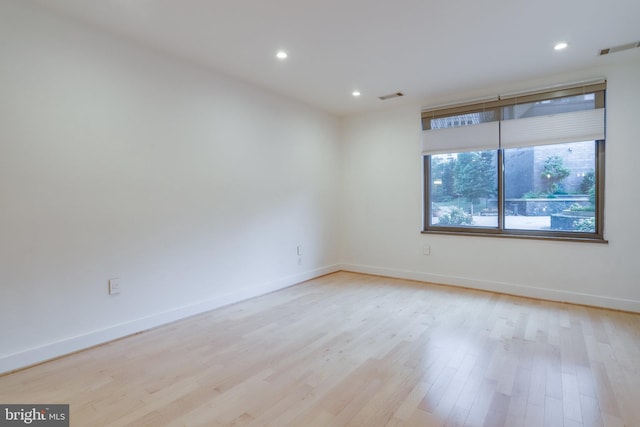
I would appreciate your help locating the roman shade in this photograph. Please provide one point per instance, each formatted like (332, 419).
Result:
(570, 113)
(477, 137)
(575, 126)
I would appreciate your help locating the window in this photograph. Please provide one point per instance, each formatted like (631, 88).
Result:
(526, 166)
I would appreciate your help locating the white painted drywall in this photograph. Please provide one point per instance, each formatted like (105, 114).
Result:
(117, 161)
(382, 208)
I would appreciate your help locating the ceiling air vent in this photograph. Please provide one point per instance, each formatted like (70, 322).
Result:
(619, 48)
(391, 95)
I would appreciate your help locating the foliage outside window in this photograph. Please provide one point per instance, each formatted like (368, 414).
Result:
(533, 181)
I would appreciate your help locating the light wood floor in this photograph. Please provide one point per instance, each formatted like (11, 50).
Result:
(356, 350)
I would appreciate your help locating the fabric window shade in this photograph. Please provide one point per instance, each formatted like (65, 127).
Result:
(585, 125)
(478, 137)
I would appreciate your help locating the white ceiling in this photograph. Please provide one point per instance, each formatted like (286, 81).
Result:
(424, 48)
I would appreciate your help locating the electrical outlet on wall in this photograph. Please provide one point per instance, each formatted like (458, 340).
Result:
(114, 286)
(426, 249)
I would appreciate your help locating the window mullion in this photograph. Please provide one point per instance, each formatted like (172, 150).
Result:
(426, 161)
(599, 173)
(500, 197)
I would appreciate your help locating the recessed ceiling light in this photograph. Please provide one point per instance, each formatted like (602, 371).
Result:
(281, 54)
(560, 46)
(355, 93)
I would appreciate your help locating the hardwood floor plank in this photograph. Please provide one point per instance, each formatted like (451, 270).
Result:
(534, 416)
(498, 410)
(590, 412)
(553, 415)
(482, 404)
(410, 404)
(571, 398)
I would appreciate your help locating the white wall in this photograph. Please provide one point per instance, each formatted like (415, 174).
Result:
(116, 161)
(382, 205)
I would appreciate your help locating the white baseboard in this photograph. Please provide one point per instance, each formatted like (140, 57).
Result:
(505, 288)
(53, 350)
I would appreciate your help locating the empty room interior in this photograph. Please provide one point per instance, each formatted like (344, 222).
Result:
(320, 213)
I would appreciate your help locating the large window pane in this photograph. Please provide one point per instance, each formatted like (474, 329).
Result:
(464, 119)
(550, 187)
(463, 189)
